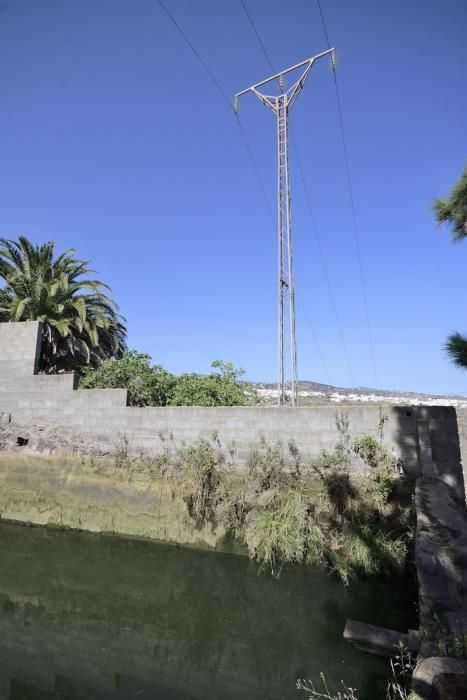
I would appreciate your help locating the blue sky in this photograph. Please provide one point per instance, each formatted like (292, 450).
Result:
(114, 141)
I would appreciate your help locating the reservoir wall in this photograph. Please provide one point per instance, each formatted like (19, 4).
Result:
(423, 437)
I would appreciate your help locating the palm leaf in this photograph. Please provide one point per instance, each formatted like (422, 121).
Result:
(456, 348)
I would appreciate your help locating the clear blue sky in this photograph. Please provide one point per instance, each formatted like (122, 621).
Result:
(114, 141)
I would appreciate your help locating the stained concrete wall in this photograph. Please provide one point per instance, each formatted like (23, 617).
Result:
(425, 438)
(92, 495)
(461, 414)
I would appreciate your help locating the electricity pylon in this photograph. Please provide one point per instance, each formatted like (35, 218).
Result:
(281, 105)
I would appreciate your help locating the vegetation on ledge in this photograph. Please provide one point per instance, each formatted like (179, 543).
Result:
(289, 511)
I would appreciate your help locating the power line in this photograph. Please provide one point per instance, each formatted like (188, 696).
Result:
(266, 55)
(323, 23)
(308, 200)
(313, 335)
(224, 96)
(352, 201)
(321, 254)
(195, 52)
(256, 171)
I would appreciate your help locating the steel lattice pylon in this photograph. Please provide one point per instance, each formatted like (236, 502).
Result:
(281, 105)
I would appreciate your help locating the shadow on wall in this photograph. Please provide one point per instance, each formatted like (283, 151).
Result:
(406, 438)
(429, 444)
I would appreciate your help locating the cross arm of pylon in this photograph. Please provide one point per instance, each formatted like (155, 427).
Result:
(294, 90)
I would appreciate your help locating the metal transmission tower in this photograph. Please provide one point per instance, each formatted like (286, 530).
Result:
(281, 105)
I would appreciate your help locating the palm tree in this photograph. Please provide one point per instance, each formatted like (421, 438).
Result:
(456, 348)
(453, 210)
(81, 324)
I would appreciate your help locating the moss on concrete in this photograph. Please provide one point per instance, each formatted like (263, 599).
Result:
(75, 493)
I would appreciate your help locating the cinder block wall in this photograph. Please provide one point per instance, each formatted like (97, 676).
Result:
(425, 438)
(19, 350)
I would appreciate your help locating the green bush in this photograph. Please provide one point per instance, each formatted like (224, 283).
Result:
(221, 388)
(368, 449)
(147, 384)
(152, 385)
(285, 533)
(383, 464)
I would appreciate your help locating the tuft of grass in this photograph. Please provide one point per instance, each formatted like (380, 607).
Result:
(345, 693)
(285, 533)
(360, 555)
(397, 688)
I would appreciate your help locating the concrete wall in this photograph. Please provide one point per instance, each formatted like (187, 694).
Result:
(425, 438)
(92, 495)
(461, 414)
(19, 350)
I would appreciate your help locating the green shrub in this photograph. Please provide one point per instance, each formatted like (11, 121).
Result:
(384, 466)
(285, 533)
(147, 384)
(222, 388)
(152, 385)
(267, 464)
(368, 449)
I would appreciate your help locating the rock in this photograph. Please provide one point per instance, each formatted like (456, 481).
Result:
(440, 678)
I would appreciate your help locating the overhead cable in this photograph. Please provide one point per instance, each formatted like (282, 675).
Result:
(352, 201)
(224, 96)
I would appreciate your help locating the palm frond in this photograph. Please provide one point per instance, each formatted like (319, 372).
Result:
(456, 348)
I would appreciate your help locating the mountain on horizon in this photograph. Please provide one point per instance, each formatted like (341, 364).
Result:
(328, 389)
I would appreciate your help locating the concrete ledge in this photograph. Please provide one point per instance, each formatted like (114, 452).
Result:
(378, 640)
(440, 678)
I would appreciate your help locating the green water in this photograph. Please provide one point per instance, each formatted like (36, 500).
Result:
(96, 617)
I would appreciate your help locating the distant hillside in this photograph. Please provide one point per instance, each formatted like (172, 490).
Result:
(314, 392)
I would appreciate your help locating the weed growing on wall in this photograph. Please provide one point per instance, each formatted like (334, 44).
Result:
(340, 457)
(355, 527)
(200, 480)
(122, 458)
(235, 503)
(267, 464)
(285, 532)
